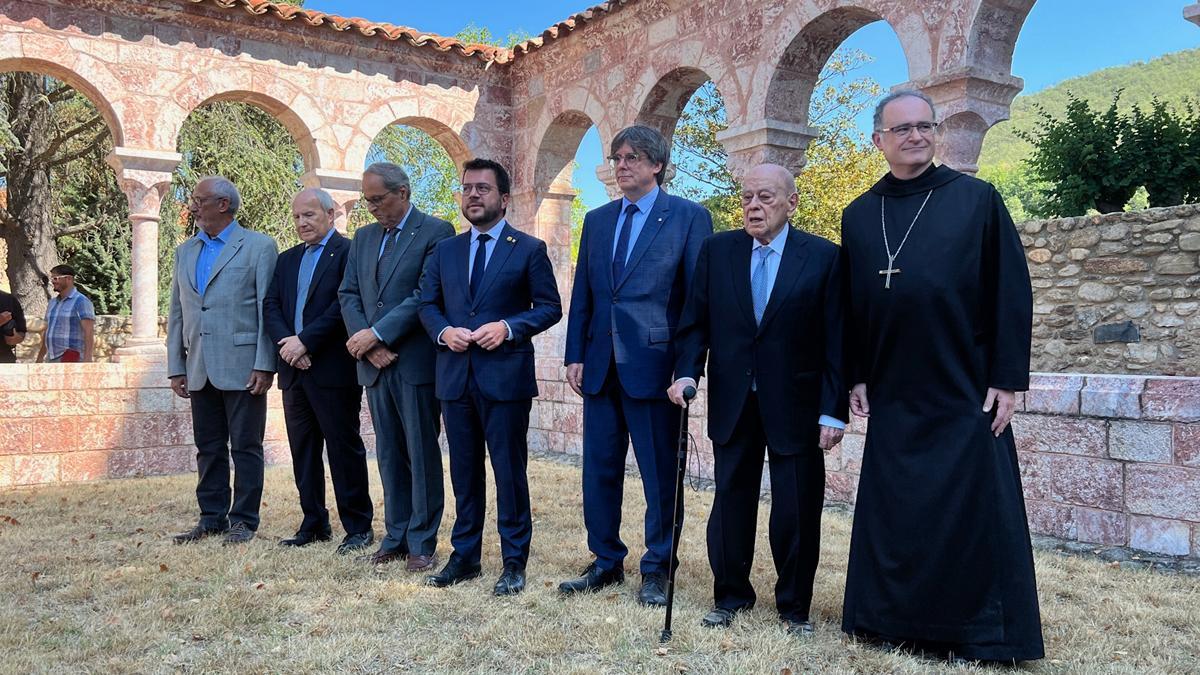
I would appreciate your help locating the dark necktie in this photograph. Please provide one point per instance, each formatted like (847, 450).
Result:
(479, 264)
(385, 258)
(622, 252)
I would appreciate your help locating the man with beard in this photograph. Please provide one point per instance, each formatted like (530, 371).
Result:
(939, 331)
(380, 296)
(484, 296)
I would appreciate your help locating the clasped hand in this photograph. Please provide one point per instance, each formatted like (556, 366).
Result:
(489, 336)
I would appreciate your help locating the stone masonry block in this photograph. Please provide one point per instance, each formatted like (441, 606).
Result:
(1176, 399)
(1035, 474)
(1187, 444)
(1094, 526)
(168, 460)
(126, 463)
(34, 469)
(840, 488)
(1140, 441)
(1112, 396)
(155, 400)
(1164, 491)
(1050, 519)
(6, 466)
(852, 453)
(1090, 482)
(1057, 394)
(76, 376)
(28, 404)
(1072, 436)
(15, 436)
(68, 434)
(83, 466)
(1169, 537)
(14, 377)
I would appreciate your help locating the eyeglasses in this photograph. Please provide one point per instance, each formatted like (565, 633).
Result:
(62, 276)
(377, 199)
(199, 201)
(903, 130)
(482, 189)
(630, 158)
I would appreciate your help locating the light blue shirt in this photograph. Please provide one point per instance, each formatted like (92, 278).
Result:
(308, 265)
(639, 219)
(63, 330)
(209, 253)
(772, 262)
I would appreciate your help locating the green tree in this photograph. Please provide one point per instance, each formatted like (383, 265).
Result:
(1023, 194)
(1161, 154)
(431, 173)
(842, 163)
(1079, 158)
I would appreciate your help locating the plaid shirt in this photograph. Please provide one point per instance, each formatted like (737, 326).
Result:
(63, 331)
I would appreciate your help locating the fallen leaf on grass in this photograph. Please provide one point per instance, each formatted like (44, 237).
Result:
(727, 645)
(167, 613)
(196, 637)
(162, 567)
(259, 586)
(34, 577)
(661, 651)
(786, 671)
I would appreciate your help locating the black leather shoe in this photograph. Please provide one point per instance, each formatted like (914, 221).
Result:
(799, 628)
(306, 537)
(719, 617)
(238, 534)
(593, 579)
(511, 582)
(653, 592)
(197, 533)
(355, 542)
(456, 571)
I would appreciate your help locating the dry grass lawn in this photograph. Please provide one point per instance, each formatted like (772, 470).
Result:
(93, 583)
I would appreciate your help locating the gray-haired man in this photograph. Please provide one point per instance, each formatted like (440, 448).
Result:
(220, 357)
(379, 296)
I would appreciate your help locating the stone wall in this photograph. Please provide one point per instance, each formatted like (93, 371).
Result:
(62, 423)
(1117, 293)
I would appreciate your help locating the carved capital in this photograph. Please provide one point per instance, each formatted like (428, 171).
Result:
(344, 186)
(1192, 13)
(766, 141)
(144, 177)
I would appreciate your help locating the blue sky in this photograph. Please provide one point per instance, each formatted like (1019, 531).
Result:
(1061, 39)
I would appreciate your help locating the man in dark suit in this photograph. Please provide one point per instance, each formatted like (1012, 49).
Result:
(485, 294)
(636, 258)
(766, 308)
(379, 297)
(321, 394)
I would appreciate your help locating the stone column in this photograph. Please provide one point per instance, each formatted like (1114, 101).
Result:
(144, 177)
(766, 141)
(1192, 13)
(344, 186)
(968, 104)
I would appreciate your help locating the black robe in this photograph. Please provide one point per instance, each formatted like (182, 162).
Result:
(940, 556)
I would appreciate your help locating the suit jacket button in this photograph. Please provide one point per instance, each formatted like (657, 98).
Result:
(749, 373)
(610, 332)
(471, 314)
(379, 304)
(203, 309)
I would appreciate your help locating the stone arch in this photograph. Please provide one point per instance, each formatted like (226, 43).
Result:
(300, 128)
(556, 151)
(76, 81)
(966, 129)
(994, 30)
(794, 78)
(669, 88)
(407, 111)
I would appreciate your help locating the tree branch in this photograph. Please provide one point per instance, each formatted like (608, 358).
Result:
(96, 143)
(47, 157)
(77, 229)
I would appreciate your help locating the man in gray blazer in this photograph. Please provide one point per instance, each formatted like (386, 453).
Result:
(380, 298)
(220, 357)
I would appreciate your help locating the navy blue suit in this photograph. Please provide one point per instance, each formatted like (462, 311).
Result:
(622, 331)
(486, 395)
(321, 405)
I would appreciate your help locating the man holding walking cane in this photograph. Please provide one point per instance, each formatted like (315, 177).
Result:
(766, 308)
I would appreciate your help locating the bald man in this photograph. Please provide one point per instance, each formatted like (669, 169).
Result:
(773, 340)
(321, 394)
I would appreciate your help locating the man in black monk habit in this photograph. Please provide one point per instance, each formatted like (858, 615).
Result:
(766, 308)
(938, 329)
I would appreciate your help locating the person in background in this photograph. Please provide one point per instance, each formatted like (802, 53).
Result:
(70, 322)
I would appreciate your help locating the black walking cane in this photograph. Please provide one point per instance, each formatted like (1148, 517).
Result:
(677, 527)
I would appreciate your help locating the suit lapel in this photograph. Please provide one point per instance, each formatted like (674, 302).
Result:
(504, 248)
(405, 239)
(460, 260)
(374, 237)
(790, 268)
(236, 239)
(741, 276)
(650, 229)
(608, 233)
(323, 263)
(191, 254)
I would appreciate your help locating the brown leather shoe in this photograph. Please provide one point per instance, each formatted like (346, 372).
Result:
(382, 557)
(422, 563)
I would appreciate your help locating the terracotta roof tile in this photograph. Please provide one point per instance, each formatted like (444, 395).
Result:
(366, 28)
(415, 37)
(562, 28)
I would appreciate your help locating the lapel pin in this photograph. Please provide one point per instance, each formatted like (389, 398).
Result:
(510, 240)
(660, 220)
